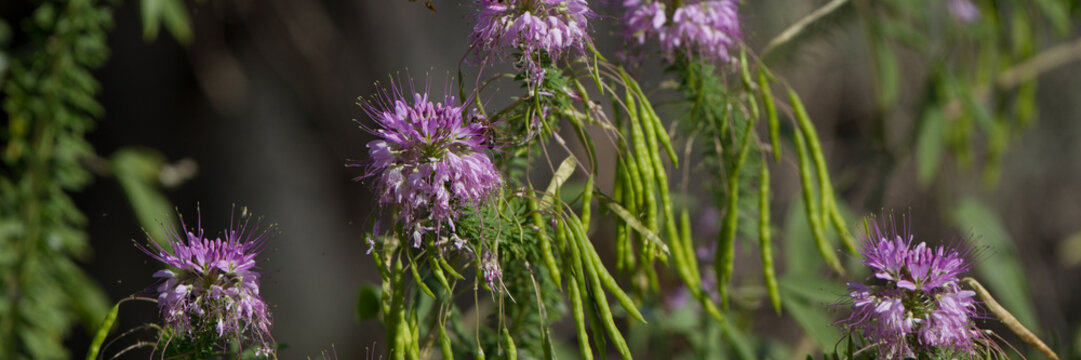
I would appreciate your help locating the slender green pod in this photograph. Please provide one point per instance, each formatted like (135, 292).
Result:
(575, 259)
(748, 85)
(771, 114)
(645, 163)
(661, 178)
(450, 269)
(414, 335)
(661, 135)
(687, 244)
(103, 332)
(726, 254)
(592, 258)
(648, 114)
(437, 271)
(420, 282)
(583, 137)
(809, 203)
(397, 329)
(603, 309)
(828, 207)
(508, 343)
(744, 70)
(545, 242)
(587, 200)
(621, 231)
(689, 270)
(630, 200)
(680, 262)
(444, 343)
(574, 293)
(597, 330)
(764, 239)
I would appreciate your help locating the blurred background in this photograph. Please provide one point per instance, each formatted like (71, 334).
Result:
(257, 111)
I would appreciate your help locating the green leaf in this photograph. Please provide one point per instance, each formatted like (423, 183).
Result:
(137, 171)
(904, 33)
(806, 305)
(170, 12)
(889, 74)
(1058, 14)
(368, 298)
(1000, 268)
(739, 341)
(929, 145)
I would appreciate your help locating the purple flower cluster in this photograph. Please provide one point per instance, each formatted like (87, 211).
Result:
(963, 10)
(702, 28)
(916, 302)
(430, 159)
(535, 28)
(213, 284)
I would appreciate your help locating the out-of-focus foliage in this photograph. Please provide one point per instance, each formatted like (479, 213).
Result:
(980, 83)
(49, 103)
(170, 13)
(998, 266)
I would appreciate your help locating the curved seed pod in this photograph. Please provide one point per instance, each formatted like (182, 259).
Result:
(103, 332)
(687, 245)
(764, 239)
(645, 163)
(771, 114)
(661, 179)
(603, 309)
(813, 218)
(592, 258)
(828, 207)
(579, 319)
(587, 199)
(726, 254)
(508, 342)
(437, 271)
(420, 282)
(450, 269)
(545, 243)
(444, 343)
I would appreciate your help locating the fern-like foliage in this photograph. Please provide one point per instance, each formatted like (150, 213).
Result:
(49, 103)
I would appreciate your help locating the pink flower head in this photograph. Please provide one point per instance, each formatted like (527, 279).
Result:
(429, 160)
(915, 302)
(213, 284)
(532, 28)
(698, 28)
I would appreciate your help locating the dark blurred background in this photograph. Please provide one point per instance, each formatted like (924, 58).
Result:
(263, 101)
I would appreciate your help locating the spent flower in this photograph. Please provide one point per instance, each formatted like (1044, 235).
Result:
(213, 284)
(429, 161)
(913, 302)
(532, 28)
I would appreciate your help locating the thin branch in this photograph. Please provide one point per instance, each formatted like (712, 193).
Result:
(1027, 70)
(1048, 59)
(792, 31)
(1009, 320)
